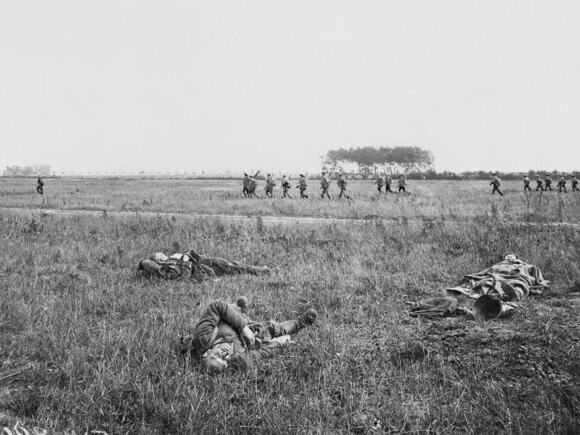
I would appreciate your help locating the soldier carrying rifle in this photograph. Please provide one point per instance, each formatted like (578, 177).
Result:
(302, 186)
(380, 182)
(285, 187)
(539, 183)
(40, 186)
(324, 185)
(249, 185)
(270, 183)
(496, 183)
(562, 184)
(342, 183)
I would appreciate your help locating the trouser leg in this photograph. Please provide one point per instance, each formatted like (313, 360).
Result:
(150, 268)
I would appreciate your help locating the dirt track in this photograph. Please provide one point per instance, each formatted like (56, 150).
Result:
(272, 220)
(266, 220)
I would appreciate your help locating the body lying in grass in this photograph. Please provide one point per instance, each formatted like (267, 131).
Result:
(192, 264)
(225, 337)
(509, 280)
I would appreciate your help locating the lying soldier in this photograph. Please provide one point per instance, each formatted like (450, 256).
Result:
(225, 338)
(511, 279)
(192, 264)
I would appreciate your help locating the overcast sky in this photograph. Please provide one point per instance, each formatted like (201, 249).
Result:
(114, 85)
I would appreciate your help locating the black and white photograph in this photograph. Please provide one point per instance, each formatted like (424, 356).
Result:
(289, 217)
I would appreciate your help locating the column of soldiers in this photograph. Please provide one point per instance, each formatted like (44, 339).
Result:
(249, 185)
(385, 181)
(542, 184)
(545, 184)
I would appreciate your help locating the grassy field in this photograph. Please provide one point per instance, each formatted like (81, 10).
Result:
(86, 342)
(442, 200)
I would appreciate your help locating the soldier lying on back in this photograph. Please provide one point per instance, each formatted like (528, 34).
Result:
(192, 264)
(225, 338)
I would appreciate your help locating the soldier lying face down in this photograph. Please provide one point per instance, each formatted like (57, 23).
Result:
(226, 338)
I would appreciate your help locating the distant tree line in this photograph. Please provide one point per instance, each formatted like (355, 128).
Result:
(372, 160)
(43, 170)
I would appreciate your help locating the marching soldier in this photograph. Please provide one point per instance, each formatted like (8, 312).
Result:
(388, 183)
(342, 183)
(251, 185)
(496, 182)
(245, 184)
(539, 183)
(324, 185)
(527, 183)
(285, 187)
(302, 186)
(40, 186)
(402, 184)
(562, 184)
(548, 182)
(574, 183)
(270, 183)
(380, 182)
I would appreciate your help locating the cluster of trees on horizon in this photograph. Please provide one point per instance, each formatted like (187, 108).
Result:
(15, 170)
(414, 162)
(372, 160)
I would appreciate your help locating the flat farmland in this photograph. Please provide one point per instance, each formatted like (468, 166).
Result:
(442, 200)
(86, 343)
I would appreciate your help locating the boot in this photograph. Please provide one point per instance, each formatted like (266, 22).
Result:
(305, 319)
(242, 302)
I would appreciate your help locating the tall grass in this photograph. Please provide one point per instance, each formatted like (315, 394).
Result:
(86, 343)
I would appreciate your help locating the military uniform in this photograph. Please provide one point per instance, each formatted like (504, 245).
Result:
(270, 184)
(496, 183)
(252, 187)
(302, 185)
(222, 325)
(402, 184)
(562, 184)
(191, 264)
(324, 185)
(574, 183)
(539, 183)
(342, 183)
(548, 183)
(285, 187)
(388, 183)
(245, 184)
(40, 186)
(527, 183)
(380, 182)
